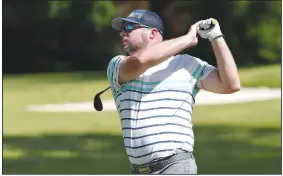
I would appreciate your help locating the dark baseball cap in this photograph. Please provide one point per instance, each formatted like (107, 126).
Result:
(144, 17)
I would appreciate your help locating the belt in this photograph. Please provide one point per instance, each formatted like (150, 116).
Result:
(159, 164)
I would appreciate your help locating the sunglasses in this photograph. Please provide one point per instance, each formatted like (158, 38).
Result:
(128, 27)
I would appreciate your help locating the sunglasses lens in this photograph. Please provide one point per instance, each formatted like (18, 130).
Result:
(128, 27)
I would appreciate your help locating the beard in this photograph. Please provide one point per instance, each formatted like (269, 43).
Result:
(130, 48)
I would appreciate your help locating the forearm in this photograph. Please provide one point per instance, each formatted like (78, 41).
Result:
(158, 53)
(136, 64)
(227, 68)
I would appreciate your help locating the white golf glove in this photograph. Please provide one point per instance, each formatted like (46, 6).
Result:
(209, 29)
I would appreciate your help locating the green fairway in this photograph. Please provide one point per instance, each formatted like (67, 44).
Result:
(266, 76)
(229, 139)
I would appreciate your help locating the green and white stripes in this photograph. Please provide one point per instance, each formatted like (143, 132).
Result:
(156, 108)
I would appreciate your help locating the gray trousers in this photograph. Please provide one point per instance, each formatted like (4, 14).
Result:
(187, 166)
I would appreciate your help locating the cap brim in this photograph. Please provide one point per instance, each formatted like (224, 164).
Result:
(116, 23)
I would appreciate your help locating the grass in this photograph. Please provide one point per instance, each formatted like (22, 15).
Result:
(65, 86)
(230, 139)
(266, 76)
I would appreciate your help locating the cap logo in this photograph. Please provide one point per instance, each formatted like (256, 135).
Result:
(136, 14)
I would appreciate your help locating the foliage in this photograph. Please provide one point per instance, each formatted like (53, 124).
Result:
(56, 36)
(263, 27)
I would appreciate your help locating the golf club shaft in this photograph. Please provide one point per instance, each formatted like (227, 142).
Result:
(99, 93)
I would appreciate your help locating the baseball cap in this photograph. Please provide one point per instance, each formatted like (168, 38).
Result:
(144, 17)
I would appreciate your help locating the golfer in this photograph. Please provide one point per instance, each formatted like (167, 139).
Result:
(154, 89)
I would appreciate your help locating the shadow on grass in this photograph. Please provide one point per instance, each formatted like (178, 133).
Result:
(218, 150)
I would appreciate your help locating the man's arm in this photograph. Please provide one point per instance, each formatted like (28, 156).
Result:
(133, 66)
(225, 78)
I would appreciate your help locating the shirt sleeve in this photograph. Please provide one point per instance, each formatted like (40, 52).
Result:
(113, 72)
(201, 70)
(198, 68)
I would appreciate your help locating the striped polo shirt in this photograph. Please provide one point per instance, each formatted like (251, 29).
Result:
(156, 108)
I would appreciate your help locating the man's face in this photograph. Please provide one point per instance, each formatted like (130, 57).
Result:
(134, 39)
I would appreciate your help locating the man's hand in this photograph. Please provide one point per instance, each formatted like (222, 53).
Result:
(209, 29)
(192, 34)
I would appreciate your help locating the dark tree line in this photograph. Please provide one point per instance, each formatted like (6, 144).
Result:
(54, 36)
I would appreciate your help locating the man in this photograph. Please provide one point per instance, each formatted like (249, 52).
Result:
(154, 90)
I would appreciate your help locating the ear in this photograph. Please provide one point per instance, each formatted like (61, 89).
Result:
(153, 33)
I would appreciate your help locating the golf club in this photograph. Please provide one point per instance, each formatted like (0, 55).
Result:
(97, 103)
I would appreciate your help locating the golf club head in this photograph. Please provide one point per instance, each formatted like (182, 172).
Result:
(97, 103)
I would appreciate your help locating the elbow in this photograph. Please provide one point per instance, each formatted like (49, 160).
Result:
(144, 62)
(136, 63)
(233, 87)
